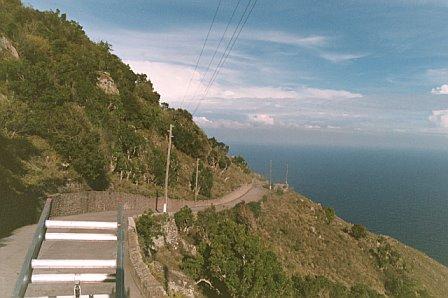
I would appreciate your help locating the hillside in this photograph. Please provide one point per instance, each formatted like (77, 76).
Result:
(283, 246)
(74, 117)
(298, 231)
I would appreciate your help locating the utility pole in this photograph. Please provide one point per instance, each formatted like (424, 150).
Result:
(286, 176)
(270, 174)
(167, 171)
(196, 190)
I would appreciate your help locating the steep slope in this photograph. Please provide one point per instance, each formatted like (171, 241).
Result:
(284, 245)
(307, 243)
(287, 246)
(74, 117)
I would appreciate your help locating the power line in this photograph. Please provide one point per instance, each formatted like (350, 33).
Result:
(226, 53)
(216, 50)
(202, 51)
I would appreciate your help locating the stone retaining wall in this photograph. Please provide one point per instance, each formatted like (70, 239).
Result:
(145, 281)
(98, 201)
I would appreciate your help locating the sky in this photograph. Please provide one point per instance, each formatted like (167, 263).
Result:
(368, 73)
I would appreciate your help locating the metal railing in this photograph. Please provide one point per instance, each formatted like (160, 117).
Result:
(32, 262)
(25, 273)
(119, 282)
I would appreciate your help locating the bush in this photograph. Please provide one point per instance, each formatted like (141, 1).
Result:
(329, 214)
(148, 227)
(401, 286)
(361, 290)
(255, 207)
(184, 218)
(221, 243)
(311, 286)
(386, 256)
(358, 231)
(320, 286)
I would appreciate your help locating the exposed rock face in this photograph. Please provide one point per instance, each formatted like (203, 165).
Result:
(179, 283)
(107, 84)
(7, 47)
(171, 234)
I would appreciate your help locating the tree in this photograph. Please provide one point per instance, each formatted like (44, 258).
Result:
(184, 218)
(233, 260)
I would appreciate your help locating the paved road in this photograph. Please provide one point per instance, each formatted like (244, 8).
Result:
(13, 249)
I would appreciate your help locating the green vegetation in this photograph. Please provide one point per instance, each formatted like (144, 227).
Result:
(184, 218)
(232, 259)
(236, 264)
(255, 207)
(149, 226)
(402, 286)
(320, 286)
(387, 257)
(329, 214)
(358, 231)
(205, 180)
(96, 124)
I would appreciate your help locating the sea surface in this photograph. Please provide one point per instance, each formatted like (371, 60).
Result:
(395, 192)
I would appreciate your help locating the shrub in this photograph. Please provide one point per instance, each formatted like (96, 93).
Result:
(205, 182)
(184, 218)
(221, 243)
(148, 227)
(386, 256)
(400, 286)
(329, 214)
(358, 231)
(311, 286)
(361, 290)
(255, 207)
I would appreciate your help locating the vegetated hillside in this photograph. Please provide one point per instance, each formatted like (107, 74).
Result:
(74, 117)
(310, 240)
(285, 246)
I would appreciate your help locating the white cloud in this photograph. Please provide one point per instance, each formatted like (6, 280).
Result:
(440, 118)
(338, 57)
(262, 119)
(329, 94)
(238, 92)
(286, 38)
(442, 90)
(202, 121)
(171, 81)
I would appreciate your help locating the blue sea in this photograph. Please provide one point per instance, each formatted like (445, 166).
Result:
(402, 193)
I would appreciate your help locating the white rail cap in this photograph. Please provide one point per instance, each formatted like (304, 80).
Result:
(72, 278)
(91, 225)
(94, 264)
(80, 236)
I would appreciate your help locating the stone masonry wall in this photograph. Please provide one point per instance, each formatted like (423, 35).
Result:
(145, 281)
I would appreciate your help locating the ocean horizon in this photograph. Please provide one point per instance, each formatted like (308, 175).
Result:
(402, 193)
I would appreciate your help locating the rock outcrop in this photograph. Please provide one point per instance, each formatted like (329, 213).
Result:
(7, 48)
(107, 84)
